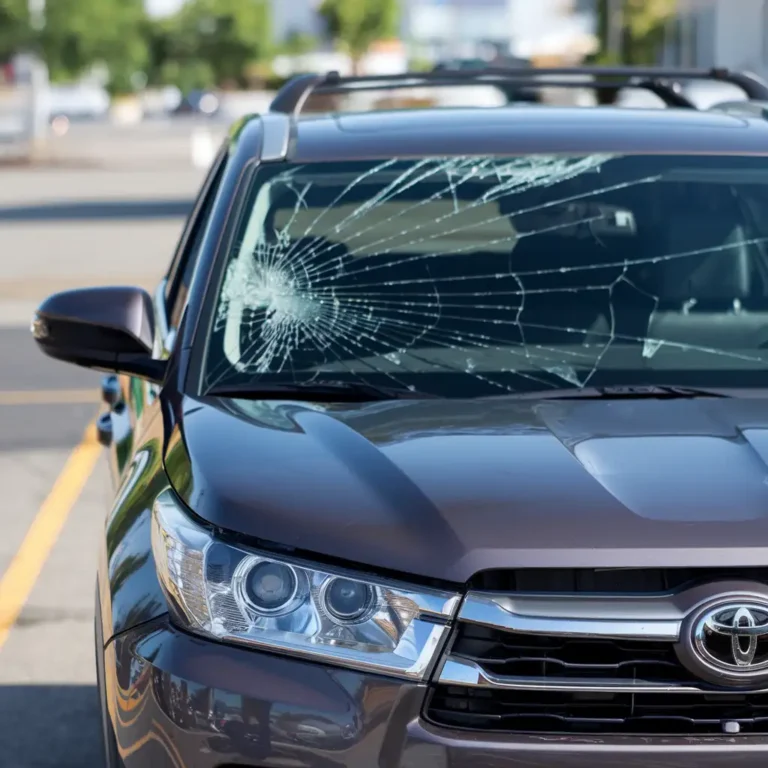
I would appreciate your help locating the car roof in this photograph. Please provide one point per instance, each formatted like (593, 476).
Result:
(523, 130)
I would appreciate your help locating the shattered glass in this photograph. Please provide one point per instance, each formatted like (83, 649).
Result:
(471, 276)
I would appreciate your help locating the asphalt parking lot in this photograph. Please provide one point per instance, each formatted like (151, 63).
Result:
(61, 227)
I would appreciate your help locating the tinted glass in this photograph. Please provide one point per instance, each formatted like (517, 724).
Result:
(477, 276)
(183, 268)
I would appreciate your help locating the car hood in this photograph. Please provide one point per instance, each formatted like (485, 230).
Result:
(445, 489)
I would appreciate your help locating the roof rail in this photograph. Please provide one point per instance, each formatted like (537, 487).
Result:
(662, 81)
(293, 95)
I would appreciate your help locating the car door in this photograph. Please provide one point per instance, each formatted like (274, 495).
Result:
(131, 401)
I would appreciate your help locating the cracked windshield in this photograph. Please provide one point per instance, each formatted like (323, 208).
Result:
(481, 276)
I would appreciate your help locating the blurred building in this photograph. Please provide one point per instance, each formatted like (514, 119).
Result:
(439, 29)
(727, 33)
(296, 17)
(444, 27)
(457, 28)
(479, 28)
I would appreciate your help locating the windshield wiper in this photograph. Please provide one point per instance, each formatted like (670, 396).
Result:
(318, 391)
(658, 392)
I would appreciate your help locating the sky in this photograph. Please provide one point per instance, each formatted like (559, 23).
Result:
(162, 7)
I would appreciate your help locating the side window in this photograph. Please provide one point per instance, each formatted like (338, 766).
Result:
(183, 267)
(179, 277)
(181, 289)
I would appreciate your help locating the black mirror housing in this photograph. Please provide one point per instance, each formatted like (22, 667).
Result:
(109, 329)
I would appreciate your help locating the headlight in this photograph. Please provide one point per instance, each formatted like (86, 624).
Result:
(236, 594)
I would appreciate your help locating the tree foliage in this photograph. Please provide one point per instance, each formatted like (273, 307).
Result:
(355, 25)
(15, 32)
(642, 34)
(81, 33)
(206, 43)
(216, 41)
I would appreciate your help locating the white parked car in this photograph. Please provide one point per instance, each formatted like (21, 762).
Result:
(79, 102)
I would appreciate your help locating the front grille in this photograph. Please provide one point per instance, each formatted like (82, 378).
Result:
(513, 654)
(606, 713)
(518, 655)
(590, 660)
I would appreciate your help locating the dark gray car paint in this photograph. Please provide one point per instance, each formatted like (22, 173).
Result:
(502, 482)
(446, 488)
(435, 133)
(207, 705)
(129, 590)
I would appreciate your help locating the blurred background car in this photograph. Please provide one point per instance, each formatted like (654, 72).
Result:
(80, 101)
(198, 102)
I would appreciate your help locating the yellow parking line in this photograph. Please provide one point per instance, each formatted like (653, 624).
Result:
(48, 396)
(18, 581)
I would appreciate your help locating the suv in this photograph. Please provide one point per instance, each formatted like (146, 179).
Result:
(444, 443)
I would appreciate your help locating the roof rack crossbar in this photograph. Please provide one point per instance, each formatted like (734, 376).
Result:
(666, 93)
(294, 94)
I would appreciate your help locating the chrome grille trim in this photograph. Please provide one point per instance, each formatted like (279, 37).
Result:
(462, 672)
(583, 663)
(658, 618)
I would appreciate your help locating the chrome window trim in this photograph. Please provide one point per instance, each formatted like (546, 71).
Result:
(164, 337)
(275, 136)
(162, 344)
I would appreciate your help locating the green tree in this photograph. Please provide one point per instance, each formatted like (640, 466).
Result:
(81, 33)
(157, 34)
(637, 26)
(220, 38)
(355, 25)
(15, 31)
(189, 75)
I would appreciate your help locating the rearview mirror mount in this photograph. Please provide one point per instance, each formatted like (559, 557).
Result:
(108, 329)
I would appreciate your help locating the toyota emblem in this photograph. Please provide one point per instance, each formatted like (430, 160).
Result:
(729, 642)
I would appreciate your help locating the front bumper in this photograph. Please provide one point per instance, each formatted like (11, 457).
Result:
(178, 701)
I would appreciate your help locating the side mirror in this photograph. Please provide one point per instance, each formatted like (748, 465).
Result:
(108, 329)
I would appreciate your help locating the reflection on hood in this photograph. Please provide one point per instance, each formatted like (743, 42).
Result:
(446, 488)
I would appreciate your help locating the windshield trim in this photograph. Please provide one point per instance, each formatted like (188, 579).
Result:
(208, 285)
